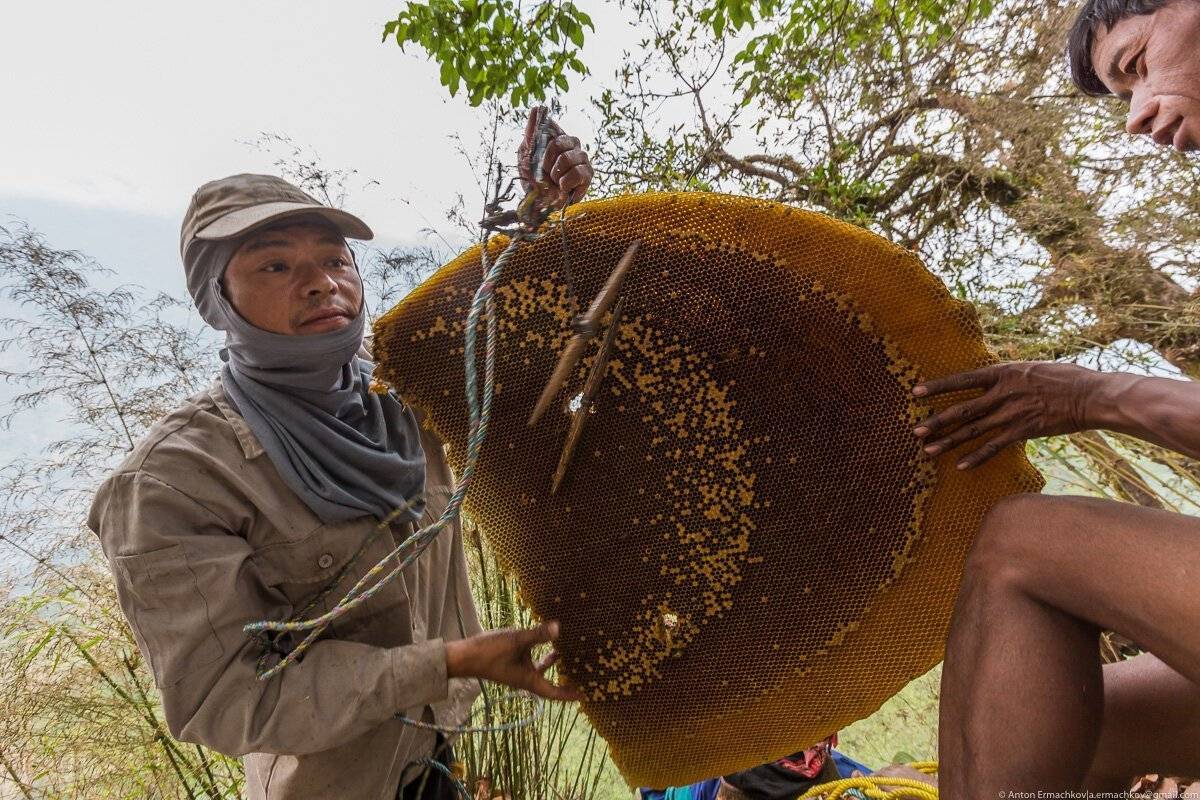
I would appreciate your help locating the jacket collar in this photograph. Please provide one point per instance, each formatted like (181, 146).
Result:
(246, 438)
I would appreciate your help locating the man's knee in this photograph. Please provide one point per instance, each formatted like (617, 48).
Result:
(1009, 540)
(1009, 551)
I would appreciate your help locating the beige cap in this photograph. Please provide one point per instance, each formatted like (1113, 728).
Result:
(229, 207)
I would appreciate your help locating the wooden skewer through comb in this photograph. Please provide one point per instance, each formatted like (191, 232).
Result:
(595, 378)
(585, 330)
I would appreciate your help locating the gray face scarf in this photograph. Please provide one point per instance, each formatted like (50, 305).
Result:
(343, 449)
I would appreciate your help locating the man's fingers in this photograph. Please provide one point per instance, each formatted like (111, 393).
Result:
(575, 183)
(956, 415)
(544, 688)
(969, 430)
(546, 662)
(539, 634)
(975, 379)
(565, 163)
(559, 148)
(1002, 440)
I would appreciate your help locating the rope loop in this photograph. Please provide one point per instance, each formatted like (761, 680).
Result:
(870, 787)
(460, 788)
(539, 706)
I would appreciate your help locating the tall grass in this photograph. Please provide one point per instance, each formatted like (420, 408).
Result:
(79, 714)
(559, 756)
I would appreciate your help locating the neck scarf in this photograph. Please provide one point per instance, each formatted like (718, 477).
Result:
(344, 450)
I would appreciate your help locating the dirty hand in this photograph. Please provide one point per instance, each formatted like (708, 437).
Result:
(565, 166)
(1021, 400)
(505, 656)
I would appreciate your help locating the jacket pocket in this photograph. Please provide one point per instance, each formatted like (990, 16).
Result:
(302, 567)
(325, 564)
(169, 613)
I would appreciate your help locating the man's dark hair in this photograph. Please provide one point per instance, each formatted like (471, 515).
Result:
(1079, 41)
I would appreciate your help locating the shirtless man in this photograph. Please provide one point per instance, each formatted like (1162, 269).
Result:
(1026, 705)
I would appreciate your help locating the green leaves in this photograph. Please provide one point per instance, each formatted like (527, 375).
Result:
(733, 15)
(493, 48)
(506, 49)
(798, 40)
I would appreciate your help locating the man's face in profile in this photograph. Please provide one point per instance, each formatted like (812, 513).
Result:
(1152, 62)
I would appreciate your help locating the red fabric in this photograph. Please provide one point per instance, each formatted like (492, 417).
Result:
(810, 763)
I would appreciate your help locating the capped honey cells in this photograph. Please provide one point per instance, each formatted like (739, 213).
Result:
(748, 549)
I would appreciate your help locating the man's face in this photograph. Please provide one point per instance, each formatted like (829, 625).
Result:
(295, 280)
(1152, 62)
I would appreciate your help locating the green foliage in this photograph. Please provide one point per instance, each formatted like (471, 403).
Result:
(807, 19)
(495, 49)
(814, 35)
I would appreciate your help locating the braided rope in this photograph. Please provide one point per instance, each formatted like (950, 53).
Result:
(460, 788)
(870, 787)
(539, 706)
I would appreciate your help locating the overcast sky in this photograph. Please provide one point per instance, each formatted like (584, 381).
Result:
(115, 112)
(128, 106)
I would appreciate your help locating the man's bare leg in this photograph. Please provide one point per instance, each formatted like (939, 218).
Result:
(1022, 698)
(1151, 724)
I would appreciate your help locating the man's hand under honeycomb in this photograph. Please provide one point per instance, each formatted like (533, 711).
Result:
(506, 656)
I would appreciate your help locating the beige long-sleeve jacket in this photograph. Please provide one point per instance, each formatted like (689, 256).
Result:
(203, 536)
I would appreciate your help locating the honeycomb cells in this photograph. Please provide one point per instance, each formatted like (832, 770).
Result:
(750, 550)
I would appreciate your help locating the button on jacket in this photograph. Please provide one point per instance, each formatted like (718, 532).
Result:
(203, 536)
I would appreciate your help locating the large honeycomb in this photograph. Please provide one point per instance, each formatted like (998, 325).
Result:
(749, 549)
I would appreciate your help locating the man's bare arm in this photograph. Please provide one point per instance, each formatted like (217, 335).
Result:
(1159, 410)
(1029, 400)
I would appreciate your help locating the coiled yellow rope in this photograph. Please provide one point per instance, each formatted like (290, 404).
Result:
(870, 786)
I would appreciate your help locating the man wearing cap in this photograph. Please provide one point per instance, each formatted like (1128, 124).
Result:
(258, 494)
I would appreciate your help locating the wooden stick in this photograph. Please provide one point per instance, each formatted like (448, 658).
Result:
(595, 378)
(587, 324)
